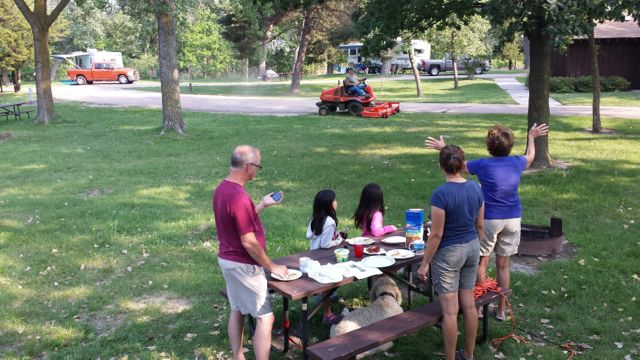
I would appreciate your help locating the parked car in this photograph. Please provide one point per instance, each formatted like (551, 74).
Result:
(103, 72)
(435, 66)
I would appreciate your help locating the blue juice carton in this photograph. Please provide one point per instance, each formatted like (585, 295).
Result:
(414, 220)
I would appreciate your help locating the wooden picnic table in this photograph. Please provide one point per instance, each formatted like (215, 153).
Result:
(14, 109)
(304, 287)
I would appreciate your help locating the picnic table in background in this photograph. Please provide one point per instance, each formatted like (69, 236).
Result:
(15, 110)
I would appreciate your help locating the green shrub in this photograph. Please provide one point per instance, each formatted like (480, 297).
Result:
(147, 65)
(614, 83)
(584, 84)
(561, 84)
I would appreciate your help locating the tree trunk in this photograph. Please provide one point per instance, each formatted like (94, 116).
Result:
(46, 112)
(40, 21)
(305, 36)
(5, 77)
(266, 39)
(453, 61)
(169, 73)
(416, 73)
(329, 68)
(596, 127)
(539, 90)
(510, 64)
(526, 50)
(386, 66)
(17, 79)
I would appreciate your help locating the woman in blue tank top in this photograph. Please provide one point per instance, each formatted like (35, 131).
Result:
(453, 250)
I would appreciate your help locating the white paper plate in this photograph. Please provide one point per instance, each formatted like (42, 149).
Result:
(400, 254)
(394, 240)
(365, 240)
(293, 275)
(380, 252)
(378, 261)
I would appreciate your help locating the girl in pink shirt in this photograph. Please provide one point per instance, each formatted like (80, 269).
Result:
(368, 215)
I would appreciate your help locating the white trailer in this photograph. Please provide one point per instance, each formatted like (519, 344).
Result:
(85, 59)
(421, 51)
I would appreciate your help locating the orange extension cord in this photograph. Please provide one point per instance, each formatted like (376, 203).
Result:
(488, 284)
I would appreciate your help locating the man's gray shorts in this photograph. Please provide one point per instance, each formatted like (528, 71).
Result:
(454, 267)
(246, 288)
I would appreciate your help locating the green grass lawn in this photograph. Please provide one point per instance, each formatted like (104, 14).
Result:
(478, 91)
(507, 71)
(11, 97)
(107, 250)
(606, 98)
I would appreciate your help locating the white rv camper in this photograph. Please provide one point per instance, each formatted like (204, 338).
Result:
(85, 59)
(421, 51)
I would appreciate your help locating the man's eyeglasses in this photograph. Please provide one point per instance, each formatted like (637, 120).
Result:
(256, 165)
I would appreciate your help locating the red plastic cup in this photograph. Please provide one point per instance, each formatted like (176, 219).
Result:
(358, 250)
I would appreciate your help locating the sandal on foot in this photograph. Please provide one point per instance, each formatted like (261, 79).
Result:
(331, 319)
(460, 355)
(499, 316)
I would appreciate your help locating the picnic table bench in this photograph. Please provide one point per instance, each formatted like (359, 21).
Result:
(348, 345)
(14, 109)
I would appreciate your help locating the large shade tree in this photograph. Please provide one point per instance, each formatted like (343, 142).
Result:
(40, 20)
(165, 13)
(459, 40)
(541, 21)
(404, 21)
(15, 43)
(592, 12)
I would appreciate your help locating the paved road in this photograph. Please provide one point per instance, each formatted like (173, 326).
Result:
(105, 94)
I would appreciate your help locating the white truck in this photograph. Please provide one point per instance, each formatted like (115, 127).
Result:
(421, 51)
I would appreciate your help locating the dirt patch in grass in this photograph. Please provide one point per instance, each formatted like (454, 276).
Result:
(531, 264)
(4, 137)
(166, 302)
(204, 228)
(555, 165)
(95, 193)
(603, 132)
(107, 321)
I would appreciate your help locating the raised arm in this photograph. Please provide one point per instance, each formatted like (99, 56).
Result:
(438, 144)
(432, 143)
(535, 131)
(267, 201)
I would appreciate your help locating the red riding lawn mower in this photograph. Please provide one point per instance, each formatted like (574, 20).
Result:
(338, 98)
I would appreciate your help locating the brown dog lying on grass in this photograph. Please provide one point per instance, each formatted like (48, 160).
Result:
(386, 299)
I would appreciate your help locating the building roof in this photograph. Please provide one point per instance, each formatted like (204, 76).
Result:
(617, 29)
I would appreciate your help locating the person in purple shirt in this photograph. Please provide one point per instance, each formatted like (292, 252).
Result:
(499, 176)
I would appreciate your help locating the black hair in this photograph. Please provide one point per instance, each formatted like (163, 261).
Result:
(371, 200)
(451, 159)
(323, 208)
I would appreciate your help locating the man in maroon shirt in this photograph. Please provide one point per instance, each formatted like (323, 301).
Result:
(242, 257)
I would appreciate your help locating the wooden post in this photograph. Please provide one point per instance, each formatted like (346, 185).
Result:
(556, 227)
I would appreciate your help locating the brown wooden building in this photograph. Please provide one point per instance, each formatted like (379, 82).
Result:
(618, 53)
